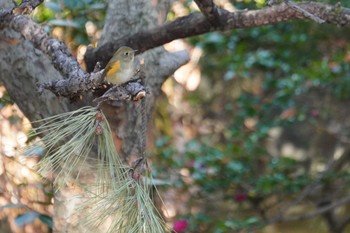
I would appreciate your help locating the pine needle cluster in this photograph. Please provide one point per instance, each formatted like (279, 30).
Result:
(130, 208)
(117, 197)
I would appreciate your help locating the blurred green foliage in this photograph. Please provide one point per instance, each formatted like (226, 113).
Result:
(255, 74)
(72, 16)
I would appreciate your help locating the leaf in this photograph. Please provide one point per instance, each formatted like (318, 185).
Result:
(26, 218)
(236, 166)
(46, 219)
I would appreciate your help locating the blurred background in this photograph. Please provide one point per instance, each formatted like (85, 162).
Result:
(252, 135)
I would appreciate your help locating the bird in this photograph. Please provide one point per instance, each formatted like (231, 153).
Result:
(120, 68)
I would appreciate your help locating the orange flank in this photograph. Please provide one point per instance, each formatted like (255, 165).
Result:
(113, 69)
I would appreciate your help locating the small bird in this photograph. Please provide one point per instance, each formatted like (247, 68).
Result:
(120, 68)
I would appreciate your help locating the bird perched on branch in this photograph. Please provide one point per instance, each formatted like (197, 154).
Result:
(120, 68)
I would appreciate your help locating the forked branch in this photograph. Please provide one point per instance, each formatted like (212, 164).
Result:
(198, 23)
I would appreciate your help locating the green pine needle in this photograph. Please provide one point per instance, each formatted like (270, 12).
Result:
(69, 139)
(128, 207)
(116, 197)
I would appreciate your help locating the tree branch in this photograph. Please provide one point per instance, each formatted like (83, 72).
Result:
(304, 12)
(196, 24)
(26, 7)
(319, 211)
(210, 10)
(307, 191)
(191, 25)
(344, 222)
(61, 58)
(75, 80)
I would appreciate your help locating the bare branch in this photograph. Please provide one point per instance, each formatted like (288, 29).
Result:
(61, 58)
(193, 24)
(170, 63)
(210, 10)
(134, 90)
(307, 191)
(344, 222)
(320, 210)
(72, 87)
(76, 79)
(304, 12)
(197, 23)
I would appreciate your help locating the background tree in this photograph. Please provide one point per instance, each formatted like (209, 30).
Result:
(258, 96)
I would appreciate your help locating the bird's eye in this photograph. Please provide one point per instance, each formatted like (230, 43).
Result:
(126, 53)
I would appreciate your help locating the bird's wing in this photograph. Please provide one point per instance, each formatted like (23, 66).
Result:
(111, 68)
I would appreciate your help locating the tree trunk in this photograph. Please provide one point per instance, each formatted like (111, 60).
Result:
(23, 66)
(124, 18)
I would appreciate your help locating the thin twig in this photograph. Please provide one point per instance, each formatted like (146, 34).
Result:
(304, 12)
(312, 187)
(321, 210)
(344, 223)
(305, 192)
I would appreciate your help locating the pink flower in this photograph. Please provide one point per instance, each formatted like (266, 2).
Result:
(315, 113)
(240, 197)
(190, 164)
(180, 225)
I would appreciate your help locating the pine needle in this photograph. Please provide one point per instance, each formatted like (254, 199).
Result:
(128, 207)
(69, 139)
(117, 197)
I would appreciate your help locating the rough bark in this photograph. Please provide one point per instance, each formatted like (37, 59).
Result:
(127, 18)
(22, 67)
